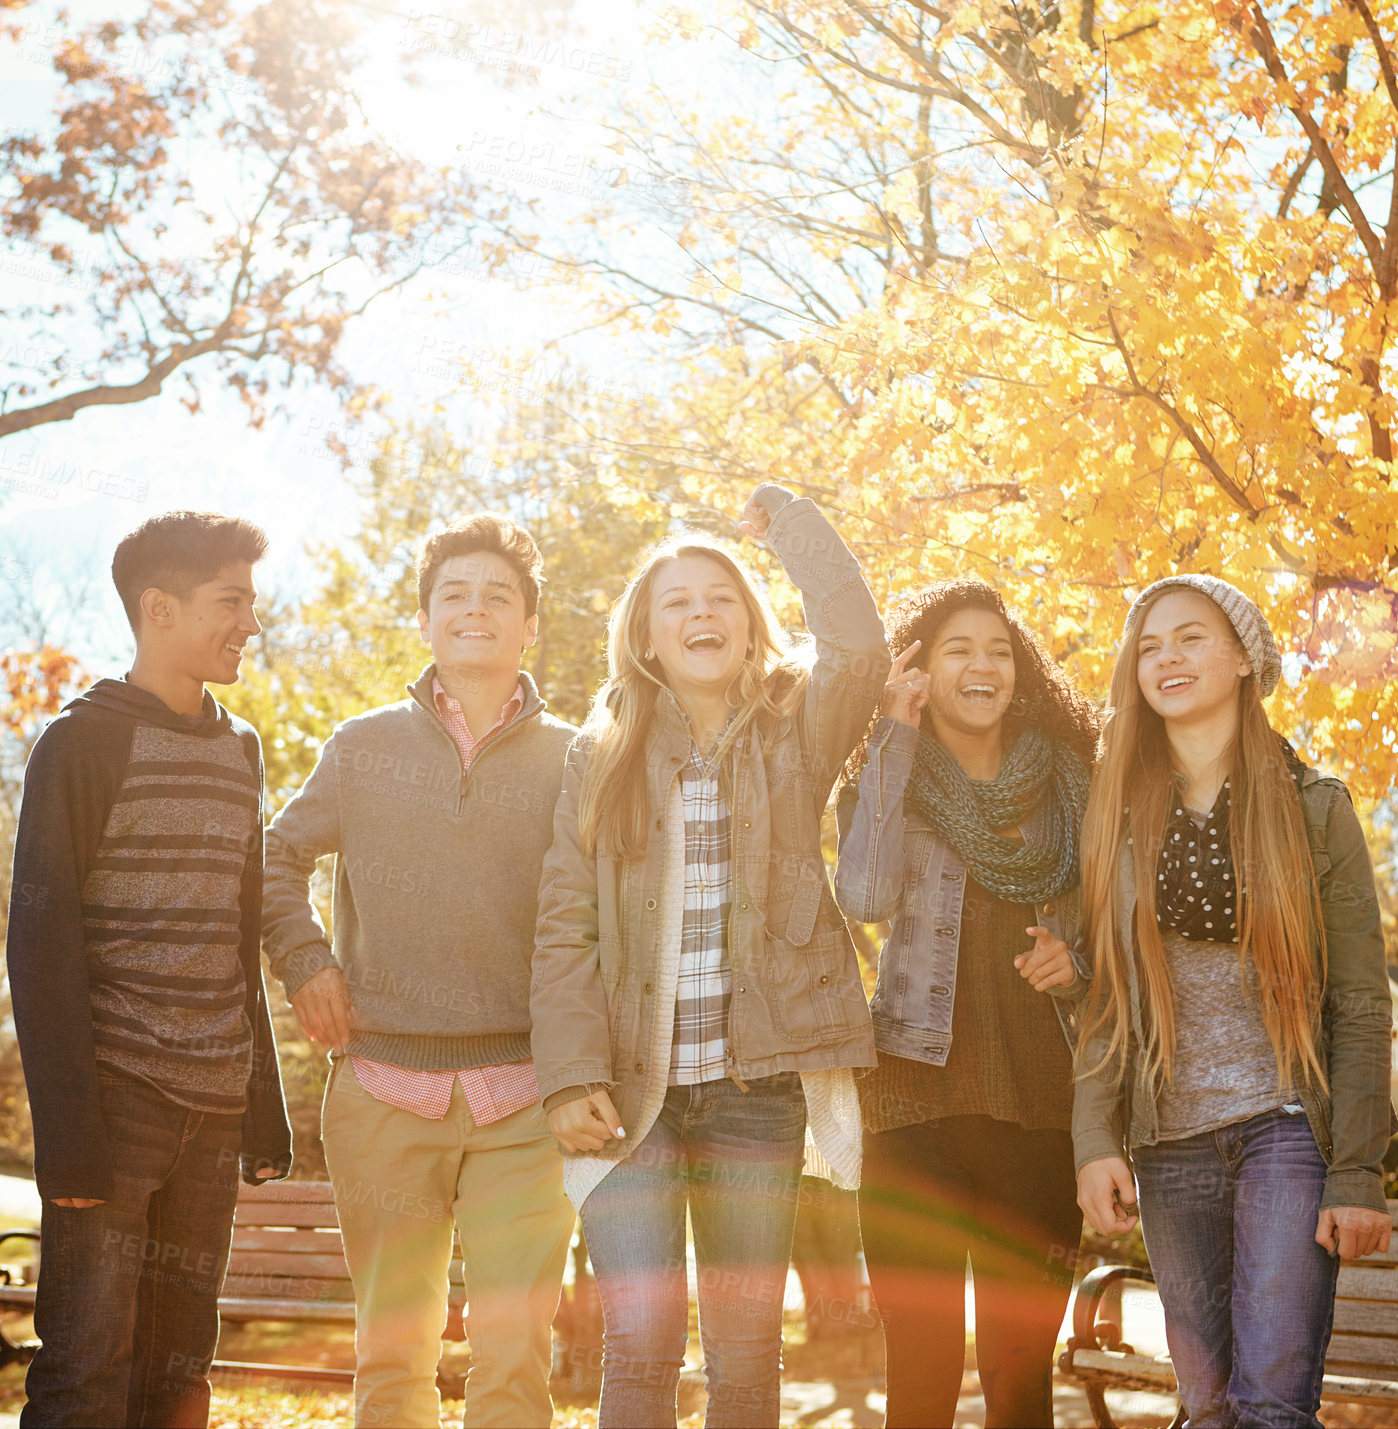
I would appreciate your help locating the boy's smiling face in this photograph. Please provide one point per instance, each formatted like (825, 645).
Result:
(204, 633)
(476, 620)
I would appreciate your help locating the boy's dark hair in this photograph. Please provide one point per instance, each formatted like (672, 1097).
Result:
(179, 550)
(487, 531)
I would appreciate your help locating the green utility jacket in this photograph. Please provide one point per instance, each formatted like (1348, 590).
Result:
(1353, 1122)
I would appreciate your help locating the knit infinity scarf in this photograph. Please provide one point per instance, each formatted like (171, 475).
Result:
(966, 813)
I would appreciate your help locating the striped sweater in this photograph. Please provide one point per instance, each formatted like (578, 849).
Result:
(134, 927)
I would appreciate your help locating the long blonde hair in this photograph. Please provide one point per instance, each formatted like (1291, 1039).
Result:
(1280, 926)
(612, 808)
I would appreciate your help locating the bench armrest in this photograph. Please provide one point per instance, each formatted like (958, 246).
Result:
(14, 1235)
(1087, 1333)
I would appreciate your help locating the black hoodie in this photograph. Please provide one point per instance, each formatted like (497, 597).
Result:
(134, 817)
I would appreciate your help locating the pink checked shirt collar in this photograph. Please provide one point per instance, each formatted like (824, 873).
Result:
(455, 719)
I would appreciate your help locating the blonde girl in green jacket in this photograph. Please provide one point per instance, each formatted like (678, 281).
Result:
(1236, 1041)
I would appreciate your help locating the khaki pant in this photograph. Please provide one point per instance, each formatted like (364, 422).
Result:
(400, 1181)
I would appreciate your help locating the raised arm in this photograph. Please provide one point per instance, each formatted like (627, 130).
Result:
(851, 653)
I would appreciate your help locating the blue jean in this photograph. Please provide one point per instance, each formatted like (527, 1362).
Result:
(127, 1304)
(734, 1158)
(1229, 1219)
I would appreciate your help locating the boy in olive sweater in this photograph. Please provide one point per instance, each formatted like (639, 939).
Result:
(439, 810)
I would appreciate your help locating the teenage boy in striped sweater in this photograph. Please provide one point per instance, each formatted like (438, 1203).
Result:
(439, 810)
(137, 988)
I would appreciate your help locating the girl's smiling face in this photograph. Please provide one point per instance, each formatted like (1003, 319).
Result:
(1189, 662)
(698, 625)
(972, 667)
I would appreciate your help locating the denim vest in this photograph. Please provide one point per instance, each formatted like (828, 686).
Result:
(893, 866)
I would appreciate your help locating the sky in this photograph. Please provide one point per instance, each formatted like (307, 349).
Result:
(69, 491)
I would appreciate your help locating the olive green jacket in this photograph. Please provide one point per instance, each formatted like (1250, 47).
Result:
(1352, 1122)
(798, 1003)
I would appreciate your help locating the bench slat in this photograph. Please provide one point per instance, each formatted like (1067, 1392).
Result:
(1143, 1372)
(314, 1192)
(286, 1240)
(302, 1264)
(288, 1287)
(1366, 1317)
(1373, 1356)
(262, 1308)
(287, 1213)
(305, 1287)
(1360, 1282)
(270, 1263)
(1128, 1371)
(1340, 1388)
(1379, 1257)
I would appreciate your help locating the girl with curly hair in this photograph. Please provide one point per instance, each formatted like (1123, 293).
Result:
(959, 823)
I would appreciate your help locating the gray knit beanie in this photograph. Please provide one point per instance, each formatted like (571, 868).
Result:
(1249, 624)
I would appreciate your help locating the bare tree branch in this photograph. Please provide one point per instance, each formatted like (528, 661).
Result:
(1264, 42)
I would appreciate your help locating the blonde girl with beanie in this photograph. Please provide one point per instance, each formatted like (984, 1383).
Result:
(1236, 1042)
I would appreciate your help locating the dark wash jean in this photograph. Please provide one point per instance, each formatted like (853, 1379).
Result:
(934, 1193)
(734, 1158)
(127, 1304)
(1229, 1220)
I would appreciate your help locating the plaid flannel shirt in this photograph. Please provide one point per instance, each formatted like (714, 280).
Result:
(705, 979)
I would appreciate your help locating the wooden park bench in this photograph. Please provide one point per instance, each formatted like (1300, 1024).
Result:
(287, 1263)
(1361, 1367)
(17, 1282)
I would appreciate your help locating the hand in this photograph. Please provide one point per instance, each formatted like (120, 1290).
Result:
(754, 521)
(77, 1203)
(1048, 963)
(587, 1123)
(1353, 1231)
(263, 1172)
(323, 1008)
(1107, 1195)
(906, 691)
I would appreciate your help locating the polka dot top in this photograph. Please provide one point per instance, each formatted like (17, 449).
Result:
(1196, 891)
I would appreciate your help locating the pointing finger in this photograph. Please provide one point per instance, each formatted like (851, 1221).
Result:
(900, 662)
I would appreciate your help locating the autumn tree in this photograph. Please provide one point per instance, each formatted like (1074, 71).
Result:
(1076, 295)
(207, 202)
